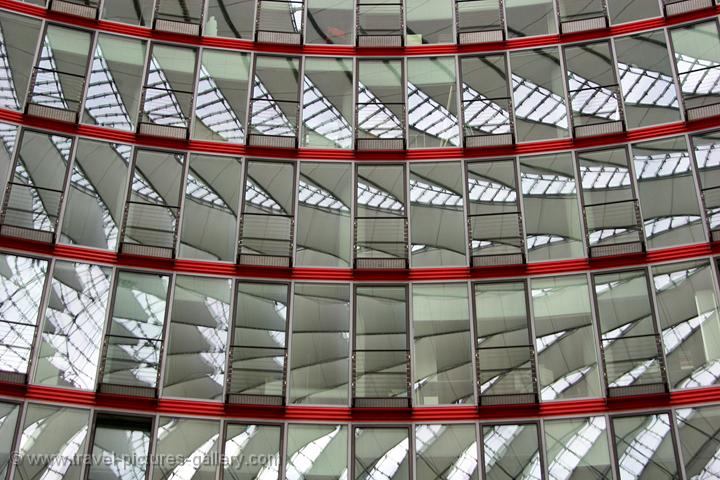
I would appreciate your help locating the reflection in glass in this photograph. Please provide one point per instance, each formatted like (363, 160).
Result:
(381, 350)
(381, 453)
(646, 79)
(552, 220)
(196, 441)
(668, 199)
(178, 11)
(210, 212)
(446, 451)
(266, 234)
(505, 354)
(538, 95)
(316, 451)
(706, 147)
(259, 344)
(564, 338)
(699, 440)
(230, 18)
(380, 99)
(511, 452)
(644, 447)
(432, 102)
(530, 18)
(152, 211)
(577, 449)
(8, 137)
(327, 103)
(324, 225)
(119, 437)
(221, 103)
(135, 335)
(244, 442)
(95, 200)
(274, 106)
(330, 21)
(279, 21)
(690, 323)
(429, 21)
(443, 370)
(136, 12)
(320, 344)
(622, 11)
(494, 220)
(571, 11)
(379, 23)
(8, 423)
(612, 214)
(436, 215)
(116, 75)
(18, 40)
(72, 329)
(628, 337)
(197, 338)
(50, 441)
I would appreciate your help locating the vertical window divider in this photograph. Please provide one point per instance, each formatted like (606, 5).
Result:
(230, 340)
(410, 319)
(542, 449)
(596, 332)
(616, 71)
(670, 48)
(675, 436)
(36, 56)
(566, 86)
(165, 335)
(636, 191)
(652, 297)
(181, 202)
(698, 187)
(220, 469)
(39, 323)
(288, 341)
(580, 203)
(196, 83)
(15, 443)
(511, 99)
(152, 448)
(474, 360)
(66, 187)
(88, 70)
(521, 209)
(102, 354)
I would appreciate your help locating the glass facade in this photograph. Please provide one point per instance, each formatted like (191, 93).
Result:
(335, 239)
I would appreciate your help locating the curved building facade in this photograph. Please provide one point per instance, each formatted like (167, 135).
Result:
(359, 239)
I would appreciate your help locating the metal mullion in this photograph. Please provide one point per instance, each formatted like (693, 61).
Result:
(17, 440)
(616, 72)
(520, 203)
(652, 299)
(102, 354)
(675, 441)
(170, 298)
(88, 70)
(230, 339)
(602, 367)
(40, 323)
(634, 183)
(531, 333)
(579, 201)
(153, 444)
(474, 360)
(66, 189)
(14, 161)
(145, 75)
(542, 448)
(196, 80)
(351, 345)
(567, 101)
(288, 342)
(697, 183)
(294, 214)
(410, 335)
(670, 49)
(36, 59)
(251, 88)
(181, 204)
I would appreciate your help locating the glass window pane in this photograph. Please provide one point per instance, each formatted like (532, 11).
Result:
(95, 200)
(446, 451)
(432, 102)
(179, 10)
(328, 103)
(494, 216)
(436, 215)
(479, 16)
(706, 147)
(381, 344)
(485, 96)
(622, 11)
(21, 288)
(525, 18)
(275, 96)
(505, 356)
(8, 423)
(511, 452)
(135, 335)
(627, 330)
(564, 338)
(429, 21)
(646, 79)
(72, 330)
(136, 12)
(443, 368)
(197, 338)
(222, 93)
(196, 441)
(324, 225)
(268, 206)
(320, 344)
(644, 447)
(572, 10)
(688, 314)
(18, 40)
(8, 140)
(316, 451)
(120, 447)
(612, 215)
(330, 21)
(169, 86)
(50, 441)
(666, 188)
(35, 189)
(552, 218)
(697, 57)
(230, 19)
(280, 17)
(252, 451)
(61, 68)
(592, 87)
(259, 340)
(210, 212)
(699, 438)
(381, 453)
(578, 449)
(114, 86)
(383, 20)
(380, 99)
(538, 95)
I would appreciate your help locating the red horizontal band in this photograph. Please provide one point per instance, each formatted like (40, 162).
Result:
(533, 148)
(85, 255)
(352, 51)
(589, 407)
